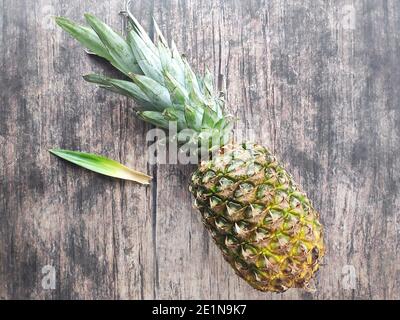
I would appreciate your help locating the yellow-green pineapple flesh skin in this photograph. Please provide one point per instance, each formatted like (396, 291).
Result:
(258, 216)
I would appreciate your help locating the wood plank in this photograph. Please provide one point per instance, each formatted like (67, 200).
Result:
(315, 81)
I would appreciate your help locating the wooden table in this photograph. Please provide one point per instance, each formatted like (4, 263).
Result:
(318, 82)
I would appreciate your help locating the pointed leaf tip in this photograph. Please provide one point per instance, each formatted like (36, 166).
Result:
(102, 165)
(85, 35)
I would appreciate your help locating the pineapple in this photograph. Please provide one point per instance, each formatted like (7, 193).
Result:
(258, 216)
(263, 223)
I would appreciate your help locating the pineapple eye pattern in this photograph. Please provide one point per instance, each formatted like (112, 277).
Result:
(244, 190)
(208, 176)
(271, 233)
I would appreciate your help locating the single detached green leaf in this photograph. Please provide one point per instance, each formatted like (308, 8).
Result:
(102, 165)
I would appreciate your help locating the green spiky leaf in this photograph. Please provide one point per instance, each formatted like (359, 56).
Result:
(157, 93)
(141, 32)
(208, 82)
(102, 165)
(162, 81)
(177, 114)
(148, 61)
(86, 36)
(193, 118)
(178, 93)
(127, 88)
(159, 34)
(119, 50)
(154, 117)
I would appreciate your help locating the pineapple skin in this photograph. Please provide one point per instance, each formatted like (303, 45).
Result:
(258, 216)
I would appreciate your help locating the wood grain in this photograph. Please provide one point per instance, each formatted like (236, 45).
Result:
(315, 81)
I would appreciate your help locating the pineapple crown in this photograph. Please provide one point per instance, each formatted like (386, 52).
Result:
(159, 79)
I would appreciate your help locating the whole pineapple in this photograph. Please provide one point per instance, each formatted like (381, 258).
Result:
(263, 223)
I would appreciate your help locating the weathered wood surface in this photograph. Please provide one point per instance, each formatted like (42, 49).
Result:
(317, 81)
